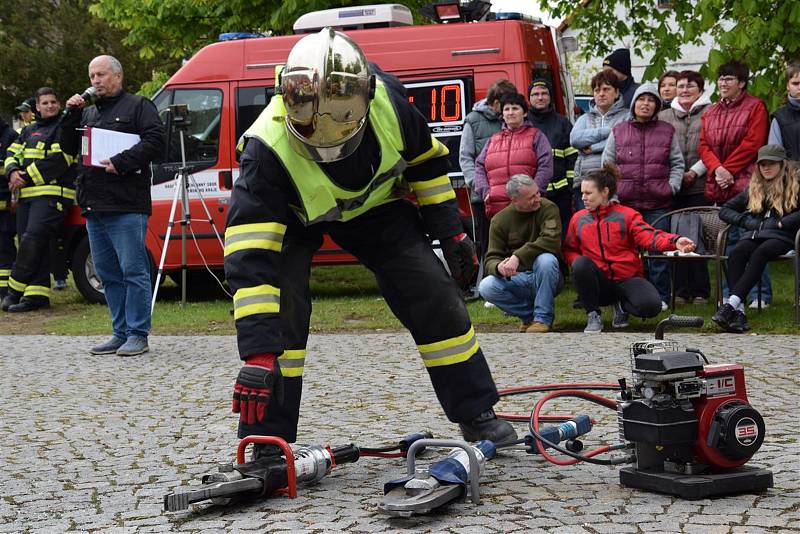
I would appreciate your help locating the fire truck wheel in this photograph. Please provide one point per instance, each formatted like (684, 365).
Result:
(86, 280)
(84, 275)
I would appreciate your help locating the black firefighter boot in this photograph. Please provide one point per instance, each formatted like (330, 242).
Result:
(11, 298)
(29, 305)
(488, 426)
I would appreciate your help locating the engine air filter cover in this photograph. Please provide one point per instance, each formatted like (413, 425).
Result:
(667, 363)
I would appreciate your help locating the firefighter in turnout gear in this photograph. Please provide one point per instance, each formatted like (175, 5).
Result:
(8, 250)
(337, 151)
(43, 176)
(556, 128)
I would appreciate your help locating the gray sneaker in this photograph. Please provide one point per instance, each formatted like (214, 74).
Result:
(109, 347)
(594, 323)
(620, 319)
(134, 346)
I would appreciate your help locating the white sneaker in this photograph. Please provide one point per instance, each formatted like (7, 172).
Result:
(594, 323)
(754, 304)
(488, 305)
(664, 306)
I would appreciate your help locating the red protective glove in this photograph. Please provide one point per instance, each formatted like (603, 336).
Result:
(459, 253)
(253, 387)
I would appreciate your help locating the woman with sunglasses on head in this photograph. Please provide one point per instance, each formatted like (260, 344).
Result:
(768, 212)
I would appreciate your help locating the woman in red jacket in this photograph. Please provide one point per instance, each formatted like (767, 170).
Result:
(602, 247)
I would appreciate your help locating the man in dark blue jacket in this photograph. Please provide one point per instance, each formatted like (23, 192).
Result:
(556, 128)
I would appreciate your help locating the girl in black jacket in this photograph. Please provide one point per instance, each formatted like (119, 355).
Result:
(769, 212)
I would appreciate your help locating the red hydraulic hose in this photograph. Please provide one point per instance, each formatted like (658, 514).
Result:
(535, 418)
(383, 454)
(522, 417)
(555, 387)
(505, 392)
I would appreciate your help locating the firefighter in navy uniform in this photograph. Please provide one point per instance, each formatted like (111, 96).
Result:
(8, 251)
(44, 177)
(338, 151)
(556, 128)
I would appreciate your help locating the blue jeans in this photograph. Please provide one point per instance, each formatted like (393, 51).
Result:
(734, 235)
(658, 271)
(529, 295)
(123, 264)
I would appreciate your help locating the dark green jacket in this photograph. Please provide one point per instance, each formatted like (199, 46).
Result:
(525, 235)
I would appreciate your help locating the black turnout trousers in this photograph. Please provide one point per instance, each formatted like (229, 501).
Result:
(8, 250)
(390, 241)
(39, 219)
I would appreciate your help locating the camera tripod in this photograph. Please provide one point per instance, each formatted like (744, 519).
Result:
(179, 118)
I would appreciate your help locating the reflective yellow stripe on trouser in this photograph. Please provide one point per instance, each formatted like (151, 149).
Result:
(4, 274)
(19, 287)
(292, 362)
(37, 291)
(449, 351)
(267, 236)
(258, 299)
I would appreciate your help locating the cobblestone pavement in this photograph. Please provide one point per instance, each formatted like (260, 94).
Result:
(93, 443)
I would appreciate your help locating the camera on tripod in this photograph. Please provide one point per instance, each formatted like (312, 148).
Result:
(179, 116)
(180, 173)
(177, 155)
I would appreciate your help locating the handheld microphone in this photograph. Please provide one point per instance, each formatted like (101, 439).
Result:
(88, 93)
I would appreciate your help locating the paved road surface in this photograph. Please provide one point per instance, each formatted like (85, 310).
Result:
(93, 443)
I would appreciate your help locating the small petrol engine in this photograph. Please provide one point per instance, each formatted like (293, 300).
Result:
(691, 424)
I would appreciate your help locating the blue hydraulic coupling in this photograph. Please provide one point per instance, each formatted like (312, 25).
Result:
(410, 439)
(568, 430)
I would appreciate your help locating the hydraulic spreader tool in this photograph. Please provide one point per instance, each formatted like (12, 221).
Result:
(685, 427)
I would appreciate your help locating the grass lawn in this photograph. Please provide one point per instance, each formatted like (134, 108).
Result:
(346, 298)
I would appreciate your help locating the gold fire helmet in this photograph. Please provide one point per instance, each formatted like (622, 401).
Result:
(327, 87)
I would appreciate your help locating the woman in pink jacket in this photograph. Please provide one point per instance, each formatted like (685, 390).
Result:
(518, 148)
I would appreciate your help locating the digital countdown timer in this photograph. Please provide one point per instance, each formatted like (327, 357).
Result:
(442, 102)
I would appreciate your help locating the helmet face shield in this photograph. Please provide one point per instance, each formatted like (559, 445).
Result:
(326, 88)
(300, 89)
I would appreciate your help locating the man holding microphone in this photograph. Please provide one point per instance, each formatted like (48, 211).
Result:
(115, 199)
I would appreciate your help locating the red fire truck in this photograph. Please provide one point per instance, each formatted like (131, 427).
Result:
(445, 68)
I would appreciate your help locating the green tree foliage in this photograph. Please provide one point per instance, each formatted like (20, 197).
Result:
(764, 34)
(172, 30)
(50, 43)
